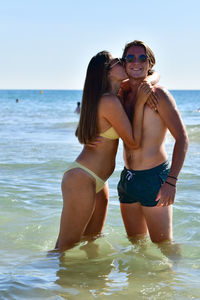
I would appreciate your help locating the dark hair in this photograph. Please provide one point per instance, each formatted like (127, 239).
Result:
(148, 51)
(96, 84)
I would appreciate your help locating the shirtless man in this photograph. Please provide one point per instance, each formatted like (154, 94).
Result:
(147, 186)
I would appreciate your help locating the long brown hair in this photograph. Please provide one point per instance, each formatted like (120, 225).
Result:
(149, 53)
(96, 84)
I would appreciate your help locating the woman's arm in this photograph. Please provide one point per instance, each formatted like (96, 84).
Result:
(112, 110)
(125, 88)
(152, 79)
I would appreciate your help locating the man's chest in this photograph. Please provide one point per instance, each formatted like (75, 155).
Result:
(129, 105)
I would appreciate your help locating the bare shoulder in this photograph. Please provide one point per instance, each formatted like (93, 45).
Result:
(109, 106)
(169, 114)
(109, 101)
(164, 97)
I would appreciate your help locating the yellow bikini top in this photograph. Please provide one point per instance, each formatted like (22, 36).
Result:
(110, 133)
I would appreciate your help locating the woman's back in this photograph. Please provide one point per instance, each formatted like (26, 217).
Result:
(101, 157)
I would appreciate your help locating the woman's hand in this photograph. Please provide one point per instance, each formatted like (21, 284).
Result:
(145, 94)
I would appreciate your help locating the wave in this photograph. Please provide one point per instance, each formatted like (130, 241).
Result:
(72, 124)
(52, 164)
(193, 132)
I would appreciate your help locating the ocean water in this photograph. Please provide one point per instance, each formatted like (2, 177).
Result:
(37, 143)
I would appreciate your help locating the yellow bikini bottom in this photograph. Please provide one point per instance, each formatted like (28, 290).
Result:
(99, 182)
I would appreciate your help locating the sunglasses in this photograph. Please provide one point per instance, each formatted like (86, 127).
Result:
(130, 58)
(115, 62)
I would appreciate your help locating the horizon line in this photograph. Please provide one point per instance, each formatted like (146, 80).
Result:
(37, 89)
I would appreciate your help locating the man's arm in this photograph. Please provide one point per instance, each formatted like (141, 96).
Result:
(168, 112)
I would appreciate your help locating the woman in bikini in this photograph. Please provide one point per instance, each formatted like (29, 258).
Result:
(84, 187)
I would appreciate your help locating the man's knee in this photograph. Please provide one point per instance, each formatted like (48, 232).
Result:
(161, 237)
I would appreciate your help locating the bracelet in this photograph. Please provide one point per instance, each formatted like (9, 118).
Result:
(170, 183)
(172, 177)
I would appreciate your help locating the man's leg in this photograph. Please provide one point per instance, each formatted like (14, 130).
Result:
(133, 218)
(131, 209)
(159, 222)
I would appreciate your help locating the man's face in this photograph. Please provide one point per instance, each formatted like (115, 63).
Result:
(137, 69)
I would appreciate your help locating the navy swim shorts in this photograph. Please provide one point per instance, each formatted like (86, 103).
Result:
(142, 185)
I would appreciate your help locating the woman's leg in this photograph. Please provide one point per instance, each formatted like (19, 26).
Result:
(96, 223)
(78, 189)
(133, 219)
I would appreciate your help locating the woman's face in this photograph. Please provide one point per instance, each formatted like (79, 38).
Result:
(117, 71)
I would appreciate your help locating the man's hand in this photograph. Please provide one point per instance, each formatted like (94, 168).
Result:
(153, 78)
(166, 195)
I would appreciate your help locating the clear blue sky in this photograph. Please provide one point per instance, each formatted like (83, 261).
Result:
(47, 44)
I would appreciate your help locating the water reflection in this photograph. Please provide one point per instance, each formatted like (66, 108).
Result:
(95, 270)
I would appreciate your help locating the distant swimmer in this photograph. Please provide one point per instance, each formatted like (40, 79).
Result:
(78, 108)
(17, 100)
(41, 92)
